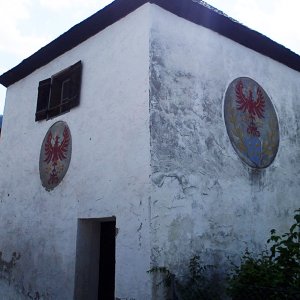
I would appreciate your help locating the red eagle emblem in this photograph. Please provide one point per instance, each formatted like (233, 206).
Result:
(56, 152)
(255, 108)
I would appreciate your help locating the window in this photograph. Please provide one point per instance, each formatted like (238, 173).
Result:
(59, 93)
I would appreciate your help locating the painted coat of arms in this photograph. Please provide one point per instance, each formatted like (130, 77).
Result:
(251, 122)
(55, 155)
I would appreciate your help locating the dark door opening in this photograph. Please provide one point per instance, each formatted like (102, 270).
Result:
(106, 290)
(95, 259)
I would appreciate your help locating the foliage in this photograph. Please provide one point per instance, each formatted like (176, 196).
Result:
(168, 276)
(196, 285)
(274, 274)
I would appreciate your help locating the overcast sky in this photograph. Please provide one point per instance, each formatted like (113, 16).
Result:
(27, 25)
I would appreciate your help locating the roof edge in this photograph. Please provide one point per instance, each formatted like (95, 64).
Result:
(189, 10)
(77, 34)
(233, 30)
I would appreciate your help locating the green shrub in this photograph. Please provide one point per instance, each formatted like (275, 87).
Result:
(196, 285)
(274, 274)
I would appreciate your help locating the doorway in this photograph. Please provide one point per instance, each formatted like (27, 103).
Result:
(106, 290)
(95, 259)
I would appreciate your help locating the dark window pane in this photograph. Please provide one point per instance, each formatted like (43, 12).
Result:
(76, 71)
(64, 93)
(65, 90)
(43, 99)
(55, 97)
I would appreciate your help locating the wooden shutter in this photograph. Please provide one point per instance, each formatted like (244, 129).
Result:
(65, 96)
(55, 97)
(43, 99)
(75, 84)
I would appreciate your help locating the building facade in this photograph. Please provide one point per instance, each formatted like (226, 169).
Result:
(178, 137)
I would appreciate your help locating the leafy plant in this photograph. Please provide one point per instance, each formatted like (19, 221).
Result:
(199, 284)
(274, 274)
(196, 285)
(168, 276)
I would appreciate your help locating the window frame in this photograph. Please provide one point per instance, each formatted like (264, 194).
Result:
(50, 100)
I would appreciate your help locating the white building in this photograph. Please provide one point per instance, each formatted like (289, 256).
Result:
(174, 98)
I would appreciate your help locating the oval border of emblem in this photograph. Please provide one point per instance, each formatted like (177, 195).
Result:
(251, 122)
(55, 155)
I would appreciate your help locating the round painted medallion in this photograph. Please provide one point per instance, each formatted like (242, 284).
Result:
(251, 122)
(55, 155)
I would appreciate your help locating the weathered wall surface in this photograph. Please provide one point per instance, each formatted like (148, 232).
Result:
(108, 174)
(205, 199)
(183, 177)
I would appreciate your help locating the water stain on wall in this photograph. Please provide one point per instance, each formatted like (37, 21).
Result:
(6, 267)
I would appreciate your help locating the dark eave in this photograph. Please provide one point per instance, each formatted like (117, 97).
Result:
(118, 9)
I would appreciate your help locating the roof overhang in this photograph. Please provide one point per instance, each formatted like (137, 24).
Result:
(187, 9)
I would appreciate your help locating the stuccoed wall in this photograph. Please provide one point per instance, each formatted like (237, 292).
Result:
(172, 166)
(108, 174)
(205, 200)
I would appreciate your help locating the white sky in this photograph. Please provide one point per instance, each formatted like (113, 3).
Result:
(28, 25)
